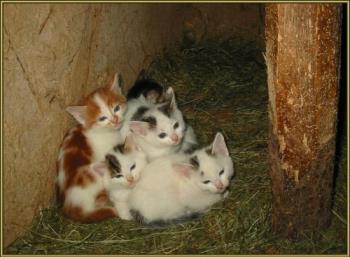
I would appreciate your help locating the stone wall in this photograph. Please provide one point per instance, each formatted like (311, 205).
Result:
(54, 54)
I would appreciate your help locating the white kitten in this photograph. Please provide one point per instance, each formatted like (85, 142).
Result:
(176, 186)
(159, 128)
(125, 162)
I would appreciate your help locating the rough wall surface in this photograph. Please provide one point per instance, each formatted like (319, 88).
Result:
(239, 19)
(54, 54)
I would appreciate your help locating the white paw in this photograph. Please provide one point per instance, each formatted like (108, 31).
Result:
(226, 193)
(123, 211)
(125, 215)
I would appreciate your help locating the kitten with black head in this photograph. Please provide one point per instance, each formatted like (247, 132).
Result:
(159, 129)
(149, 88)
(126, 162)
(177, 186)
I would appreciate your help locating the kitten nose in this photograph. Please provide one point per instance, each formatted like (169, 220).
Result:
(115, 120)
(219, 185)
(130, 179)
(174, 137)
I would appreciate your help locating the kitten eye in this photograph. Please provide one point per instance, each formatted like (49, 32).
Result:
(119, 176)
(206, 182)
(162, 135)
(102, 118)
(221, 172)
(133, 167)
(117, 108)
(176, 125)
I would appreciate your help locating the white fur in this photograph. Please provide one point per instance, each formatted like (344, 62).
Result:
(61, 178)
(165, 193)
(84, 197)
(102, 140)
(120, 188)
(151, 143)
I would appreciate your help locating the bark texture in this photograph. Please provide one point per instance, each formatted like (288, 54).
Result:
(302, 54)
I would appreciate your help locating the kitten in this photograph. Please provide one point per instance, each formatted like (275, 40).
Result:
(81, 178)
(178, 186)
(160, 128)
(126, 162)
(149, 88)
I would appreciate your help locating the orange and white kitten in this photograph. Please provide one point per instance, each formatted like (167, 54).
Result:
(81, 175)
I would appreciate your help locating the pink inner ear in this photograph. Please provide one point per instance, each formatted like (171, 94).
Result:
(99, 168)
(219, 146)
(139, 127)
(183, 169)
(78, 112)
(130, 142)
(115, 86)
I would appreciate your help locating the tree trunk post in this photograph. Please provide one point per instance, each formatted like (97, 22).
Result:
(302, 57)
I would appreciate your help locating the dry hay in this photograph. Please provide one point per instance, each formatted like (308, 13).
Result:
(221, 86)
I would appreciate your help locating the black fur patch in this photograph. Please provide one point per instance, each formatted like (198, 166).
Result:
(144, 86)
(119, 148)
(163, 223)
(209, 152)
(194, 162)
(166, 109)
(151, 120)
(138, 115)
(192, 149)
(113, 164)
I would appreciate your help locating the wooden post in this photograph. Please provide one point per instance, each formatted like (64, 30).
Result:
(302, 56)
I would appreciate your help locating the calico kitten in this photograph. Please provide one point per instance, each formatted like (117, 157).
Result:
(81, 179)
(178, 186)
(160, 129)
(126, 162)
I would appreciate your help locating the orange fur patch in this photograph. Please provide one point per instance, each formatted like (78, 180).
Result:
(108, 96)
(77, 155)
(102, 198)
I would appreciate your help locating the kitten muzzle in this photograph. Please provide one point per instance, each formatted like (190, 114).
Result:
(175, 138)
(220, 187)
(130, 179)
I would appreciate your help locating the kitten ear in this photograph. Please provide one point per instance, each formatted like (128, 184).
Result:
(152, 96)
(219, 146)
(142, 75)
(78, 112)
(130, 143)
(139, 127)
(170, 95)
(183, 169)
(116, 84)
(194, 162)
(99, 168)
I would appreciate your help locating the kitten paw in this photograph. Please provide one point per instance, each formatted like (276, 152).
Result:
(125, 215)
(226, 193)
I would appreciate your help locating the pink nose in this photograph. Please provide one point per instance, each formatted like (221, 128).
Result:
(130, 179)
(115, 120)
(174, 137)
(219, 185)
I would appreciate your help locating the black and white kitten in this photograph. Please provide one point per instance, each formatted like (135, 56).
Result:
(160, 128)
